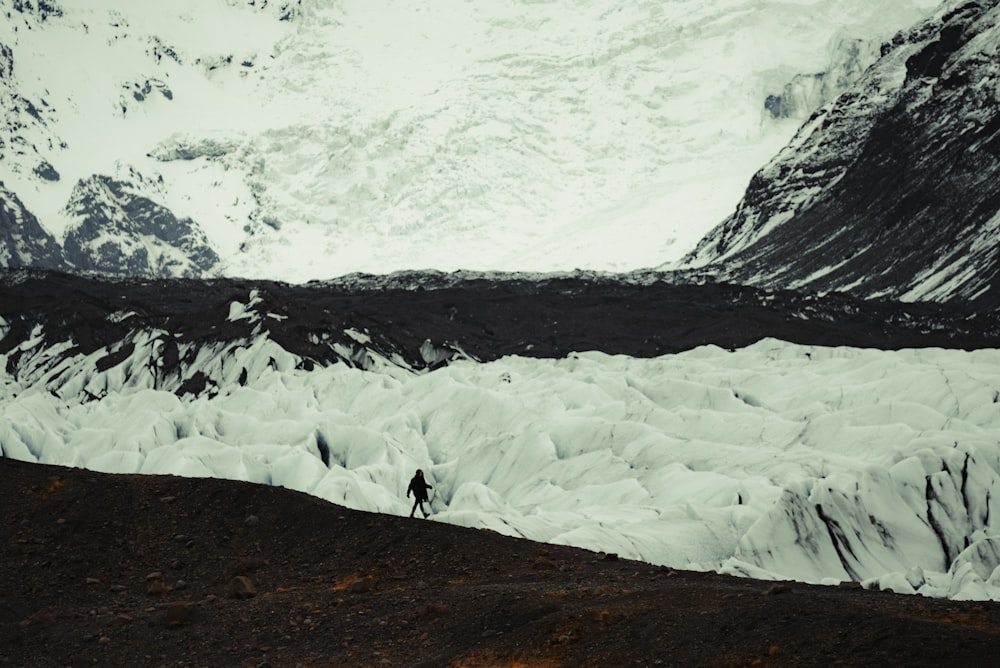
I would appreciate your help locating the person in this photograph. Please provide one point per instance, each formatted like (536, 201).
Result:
(419, 488)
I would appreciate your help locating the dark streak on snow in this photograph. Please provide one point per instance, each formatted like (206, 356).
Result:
(840, 542)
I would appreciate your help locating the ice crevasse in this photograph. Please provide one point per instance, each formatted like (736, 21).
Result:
(777, 461)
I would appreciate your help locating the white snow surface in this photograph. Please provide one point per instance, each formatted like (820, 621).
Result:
(777, 461)
(382, 135)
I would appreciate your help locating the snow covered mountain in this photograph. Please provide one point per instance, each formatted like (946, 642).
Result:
(892, 190)
(308, 139)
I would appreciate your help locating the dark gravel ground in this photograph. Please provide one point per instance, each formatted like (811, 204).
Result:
(163, 571)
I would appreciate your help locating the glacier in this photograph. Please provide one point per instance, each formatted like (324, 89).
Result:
(774, 460)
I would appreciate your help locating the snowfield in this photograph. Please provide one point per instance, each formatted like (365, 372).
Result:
(377, 135)
(776, 461)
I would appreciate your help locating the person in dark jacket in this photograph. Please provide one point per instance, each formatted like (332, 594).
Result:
(419, 488)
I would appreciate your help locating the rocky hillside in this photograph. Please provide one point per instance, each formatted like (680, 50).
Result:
(893, 190)
(165, 571)
(23, 242)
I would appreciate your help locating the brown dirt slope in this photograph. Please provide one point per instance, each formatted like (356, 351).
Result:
(164, 571)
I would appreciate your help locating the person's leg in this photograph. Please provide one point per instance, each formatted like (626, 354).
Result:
(414, 508)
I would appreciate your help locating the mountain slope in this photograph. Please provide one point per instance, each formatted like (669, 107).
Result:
(120, 231)
(893, 190)
(312, 139)
(23, 242)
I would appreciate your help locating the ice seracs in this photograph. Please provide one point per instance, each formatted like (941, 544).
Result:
(777, 460)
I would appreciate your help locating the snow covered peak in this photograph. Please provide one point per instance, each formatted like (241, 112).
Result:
(316, 138)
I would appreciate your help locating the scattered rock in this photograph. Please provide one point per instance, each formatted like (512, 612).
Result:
(433, 611)
(546, 564)
(778, 588)
(157, 588)
(180, 613)
(364, 585)
(46, 171)
(240, 587)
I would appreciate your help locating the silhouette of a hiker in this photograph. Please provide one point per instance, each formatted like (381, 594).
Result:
(419, 488)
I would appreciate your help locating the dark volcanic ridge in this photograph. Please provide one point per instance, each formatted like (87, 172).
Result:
(422, 320)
